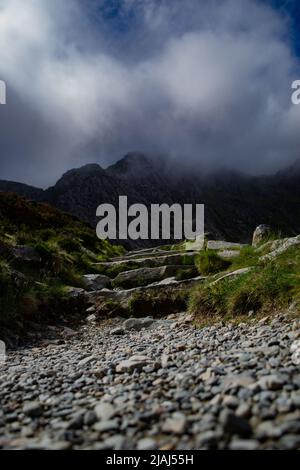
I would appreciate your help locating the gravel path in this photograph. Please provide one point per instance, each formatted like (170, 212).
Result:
(167, 386)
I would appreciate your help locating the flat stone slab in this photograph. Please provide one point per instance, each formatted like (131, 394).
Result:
(125, 294)
(222, 245)
(144, 276)
(138, 255)
(152, 262)
(238, 272)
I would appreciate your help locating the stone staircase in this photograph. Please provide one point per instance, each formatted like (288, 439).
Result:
(144, 282)
(152, 281)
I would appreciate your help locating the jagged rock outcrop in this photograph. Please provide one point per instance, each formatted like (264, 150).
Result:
(261, 234)
(234, 203)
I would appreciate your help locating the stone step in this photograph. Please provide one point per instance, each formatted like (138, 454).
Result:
(145, 276)
(222, 245)
(155, 249)
(152, 262)
(150, 298)
(155, 254)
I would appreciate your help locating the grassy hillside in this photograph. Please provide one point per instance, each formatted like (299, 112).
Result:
(272, 283)
(42, 251)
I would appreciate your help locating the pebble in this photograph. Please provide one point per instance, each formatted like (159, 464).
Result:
(146, 444)
(104, 411)
(33, 409)
(233, 424)
(176, 424)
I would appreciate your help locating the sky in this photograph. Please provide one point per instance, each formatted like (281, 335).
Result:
(206, 83)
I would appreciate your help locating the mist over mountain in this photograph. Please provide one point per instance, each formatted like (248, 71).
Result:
(207, 83)
(235, 203)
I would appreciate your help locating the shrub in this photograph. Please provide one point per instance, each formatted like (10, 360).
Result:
(69, 245)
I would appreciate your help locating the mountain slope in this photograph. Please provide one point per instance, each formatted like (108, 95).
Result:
(42, 252)
(30, 192)
(234, 203)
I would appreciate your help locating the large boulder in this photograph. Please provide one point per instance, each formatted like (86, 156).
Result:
(144, 276)
(137, 324)
(96, 282)
(142, 301)
(261, 234)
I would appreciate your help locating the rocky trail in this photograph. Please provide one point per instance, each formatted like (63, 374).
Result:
(153, 382)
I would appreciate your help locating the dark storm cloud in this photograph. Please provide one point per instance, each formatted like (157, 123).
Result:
(204, 82)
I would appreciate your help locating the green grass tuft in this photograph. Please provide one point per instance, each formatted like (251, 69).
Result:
(269, 286)
(209, 262)
(68, 248)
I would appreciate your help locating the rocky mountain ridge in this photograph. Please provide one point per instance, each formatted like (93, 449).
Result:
(235, 203)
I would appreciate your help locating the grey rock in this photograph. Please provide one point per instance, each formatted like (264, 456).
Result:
(86, 361)
(244, 410)
(222, 245)
(76, 292)
(105, 426)
(91, 318)
(176, 424)
(230, 401)
(95, 282)
(267, 430)
(271, 382)
(115, 442)
(208, 440)
(237, 272)
(104, 411)
(261, 234)
(244, 444)
(90, 418)
(282, 247)
(119, 331)
(134, 363)
(76, 421)
(91, 309)
(143, 276)
(289, 442)
(33, 409)
(146, 443)
(233, 424)
(137, 324)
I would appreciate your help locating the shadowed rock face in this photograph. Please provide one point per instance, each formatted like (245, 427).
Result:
(234, 203)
